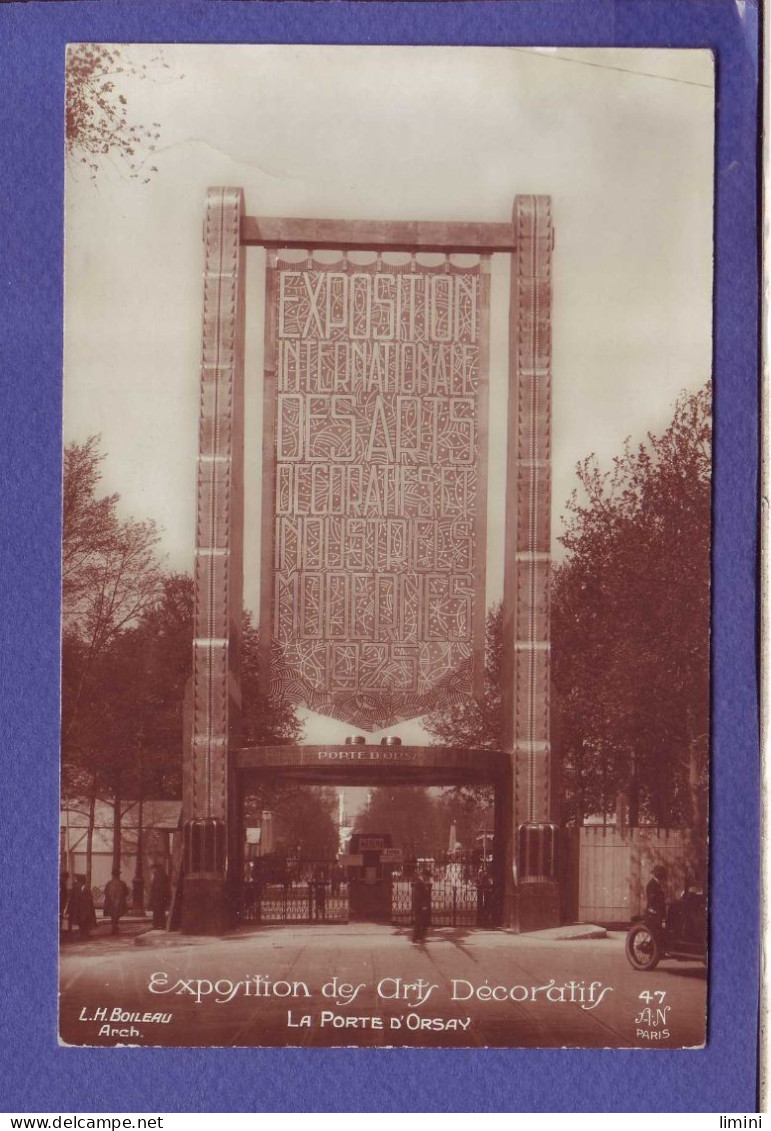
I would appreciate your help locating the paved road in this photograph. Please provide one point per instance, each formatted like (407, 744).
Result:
(464, 988)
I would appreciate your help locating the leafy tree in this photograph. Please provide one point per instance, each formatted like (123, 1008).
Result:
(412, 817)
(127, 740)
(470, 811)
(304, 819)
(127, 658)
(98, 125)
(88, 522)
(630, 635)
(630, 627)
(131, 719)
(111, 576)
(265, 720)
(166, 630)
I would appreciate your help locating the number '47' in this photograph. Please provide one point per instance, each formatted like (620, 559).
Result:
(648, 997)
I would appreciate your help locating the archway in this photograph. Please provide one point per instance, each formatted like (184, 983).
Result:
(374, 512)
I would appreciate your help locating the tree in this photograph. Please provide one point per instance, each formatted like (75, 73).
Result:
(166, 629)
(88, 522)
(630, 627)
(96, 114)
(630, 635)
(410, 815)
(111, 576)
(127, 658)
(266, 720)
(304, 821)
(470, 811)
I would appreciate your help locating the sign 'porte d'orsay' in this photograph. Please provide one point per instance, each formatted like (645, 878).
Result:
(375, 589)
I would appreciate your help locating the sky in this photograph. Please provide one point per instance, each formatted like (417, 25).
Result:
(622, 140)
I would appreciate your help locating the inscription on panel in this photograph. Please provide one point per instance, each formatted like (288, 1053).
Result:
(379, 457)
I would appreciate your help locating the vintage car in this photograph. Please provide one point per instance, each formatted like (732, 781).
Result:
(682, 934)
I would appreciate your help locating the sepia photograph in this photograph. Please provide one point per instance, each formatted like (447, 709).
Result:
(387, 522)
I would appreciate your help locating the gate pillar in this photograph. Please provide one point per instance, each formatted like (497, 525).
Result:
(525, 667)
(212, 857)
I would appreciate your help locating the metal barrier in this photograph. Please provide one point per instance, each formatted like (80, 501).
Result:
(460, 903)
(300, 902)
(310, 894)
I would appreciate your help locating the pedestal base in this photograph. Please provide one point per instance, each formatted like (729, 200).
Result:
(206, 908)
(536, 907)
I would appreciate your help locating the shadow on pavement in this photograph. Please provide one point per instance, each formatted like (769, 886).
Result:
(455, 935)
(697, 972)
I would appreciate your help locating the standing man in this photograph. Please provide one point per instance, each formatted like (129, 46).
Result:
(115, 899)
(421, 908)
(484, 898)
(80, 907)
(160, 897)
(656, 895)
(320, 895)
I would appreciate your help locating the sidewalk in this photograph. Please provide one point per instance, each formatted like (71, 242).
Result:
(130, 925)
(272, 933)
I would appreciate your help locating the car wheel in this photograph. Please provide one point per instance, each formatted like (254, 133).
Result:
(642, 948)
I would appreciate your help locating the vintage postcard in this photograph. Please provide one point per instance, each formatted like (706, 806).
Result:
(386, 546)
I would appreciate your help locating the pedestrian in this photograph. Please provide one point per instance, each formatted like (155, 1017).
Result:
(320, 895)
(80, 907)
(160, 897)
(484, 898)
(656, 896)
(115, 899)
(421, 908)
(63, 895)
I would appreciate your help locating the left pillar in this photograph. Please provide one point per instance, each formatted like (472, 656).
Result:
(210, 804)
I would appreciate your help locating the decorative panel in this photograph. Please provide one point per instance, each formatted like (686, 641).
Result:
(374, 496)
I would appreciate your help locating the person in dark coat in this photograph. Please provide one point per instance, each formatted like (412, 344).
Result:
(80, 907)
(320, 895)
(116, 894)
(484, 898)
(421, 908)
(160, 897)
(656, 895)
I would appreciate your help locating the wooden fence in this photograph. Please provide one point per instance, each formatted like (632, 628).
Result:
(614, 865)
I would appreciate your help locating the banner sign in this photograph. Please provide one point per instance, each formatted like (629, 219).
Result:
(375, 485)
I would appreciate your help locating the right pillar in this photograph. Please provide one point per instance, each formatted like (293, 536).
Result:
(530, 901)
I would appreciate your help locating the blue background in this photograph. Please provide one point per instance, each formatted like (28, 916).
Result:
(39, 1076)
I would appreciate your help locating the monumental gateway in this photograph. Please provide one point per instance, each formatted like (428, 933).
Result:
(374, 519)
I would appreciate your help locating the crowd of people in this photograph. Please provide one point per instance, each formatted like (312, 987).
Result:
(77, 908)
